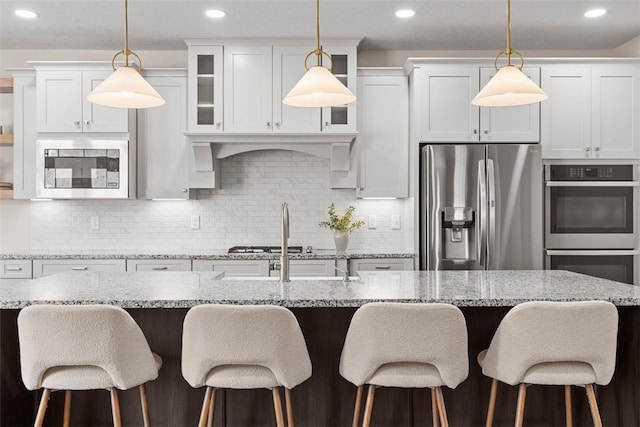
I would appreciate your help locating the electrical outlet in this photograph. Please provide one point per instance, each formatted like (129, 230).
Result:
(195, 222)
(395, 222)
(95, 223)
(372, 222)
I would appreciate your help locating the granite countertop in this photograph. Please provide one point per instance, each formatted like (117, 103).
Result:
(214, 255)
(186, 289)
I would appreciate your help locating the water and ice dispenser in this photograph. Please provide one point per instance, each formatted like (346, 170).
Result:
(457, 234)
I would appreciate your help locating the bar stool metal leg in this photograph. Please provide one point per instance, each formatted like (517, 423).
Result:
(277, 404)
(595, 413)
(441, 408)
(357, 407)
(44, 401)
(205, 407)
(567, 405)
(434, 409)
(492, 402)
(67, 408)
(368, 408)
(522, 395)
(115, 407)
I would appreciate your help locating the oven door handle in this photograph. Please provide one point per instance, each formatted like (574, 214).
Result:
(592, 183)
(556, 252)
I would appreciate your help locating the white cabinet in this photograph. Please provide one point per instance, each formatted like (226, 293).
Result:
(383, 137)
(163, 162)
(44, 267)
(592, 111)
(380, 264)
(25, 134)
(247, 88)
(15, 269)
(63, 107)
(239, 88)
(307, 268)
(159, 264)
(205, 89)
(258, 268)
(447, 115)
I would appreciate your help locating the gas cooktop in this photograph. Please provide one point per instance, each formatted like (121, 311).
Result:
(263, 249)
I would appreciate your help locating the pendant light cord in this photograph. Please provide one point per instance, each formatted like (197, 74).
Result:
(318, 51)
(126, 33)
(508, 49)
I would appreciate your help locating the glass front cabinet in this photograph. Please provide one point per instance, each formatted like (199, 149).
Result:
(205, 89)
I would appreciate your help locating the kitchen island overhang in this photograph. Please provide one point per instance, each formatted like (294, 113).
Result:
(159, 301)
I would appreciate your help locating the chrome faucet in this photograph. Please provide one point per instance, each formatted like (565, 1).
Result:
(284, 252)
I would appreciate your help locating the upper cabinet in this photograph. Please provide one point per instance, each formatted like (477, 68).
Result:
(443, 96)
(592, 111)
(63, 105)
(238, 88)
(383, 134)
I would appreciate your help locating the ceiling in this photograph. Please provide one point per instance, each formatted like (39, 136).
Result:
(438, 24)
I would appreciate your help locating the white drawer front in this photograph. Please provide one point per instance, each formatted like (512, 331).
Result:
(159, 265)
(15, 269)
(387, 264)
(45, 267)
(258, 268)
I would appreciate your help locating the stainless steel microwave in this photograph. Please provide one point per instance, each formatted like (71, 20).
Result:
(82, 169)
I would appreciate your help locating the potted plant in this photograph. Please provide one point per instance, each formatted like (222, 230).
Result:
(342, 226)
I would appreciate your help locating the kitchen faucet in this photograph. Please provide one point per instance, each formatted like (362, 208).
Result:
(284, 252)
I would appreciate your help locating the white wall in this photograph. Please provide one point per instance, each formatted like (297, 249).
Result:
(630, 48)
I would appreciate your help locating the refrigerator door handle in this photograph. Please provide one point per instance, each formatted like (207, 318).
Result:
(481, 236)
(492, 249)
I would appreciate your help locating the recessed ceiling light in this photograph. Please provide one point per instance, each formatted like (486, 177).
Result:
(405, 13)
(215, 13)
(22, 13)
(594, 13)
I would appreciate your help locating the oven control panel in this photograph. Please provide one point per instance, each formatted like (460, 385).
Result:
(591, 172)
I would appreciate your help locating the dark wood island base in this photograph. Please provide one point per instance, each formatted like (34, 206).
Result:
(326, 399)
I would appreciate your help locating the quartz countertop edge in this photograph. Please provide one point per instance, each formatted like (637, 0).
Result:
(212, 256)
(501, 288)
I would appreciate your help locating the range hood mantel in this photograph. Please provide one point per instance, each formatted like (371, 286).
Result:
(337, 147)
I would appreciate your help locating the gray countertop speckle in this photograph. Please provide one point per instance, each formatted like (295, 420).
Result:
(221, 255)
(186, 289)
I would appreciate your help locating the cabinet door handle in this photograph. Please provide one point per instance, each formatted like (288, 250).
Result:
(77, 122)
(184, 190)
(13, 269)
(159, 268)
(327, 124)
(486, 132)
(79, 268)
(475, 131)
(383, 267)
(87, 122)
(587, 149)
(268, 124)
(277, 124)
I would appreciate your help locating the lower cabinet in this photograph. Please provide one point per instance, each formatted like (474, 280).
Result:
(306, 268)
(231, 268)
(158, 265)
(44, 267)
(12, 271)
(380, 264)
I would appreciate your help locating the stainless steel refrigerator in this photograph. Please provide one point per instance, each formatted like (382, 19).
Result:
(481, 207)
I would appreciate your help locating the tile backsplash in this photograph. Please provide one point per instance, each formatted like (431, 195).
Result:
(244, 211)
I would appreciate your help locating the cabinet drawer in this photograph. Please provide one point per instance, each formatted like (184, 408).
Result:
(15, 269)
(387, 264)
(306, 268)
(159, 265)
(43, 267)
(231, 268)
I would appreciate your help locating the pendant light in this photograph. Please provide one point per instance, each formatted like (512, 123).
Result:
(510, 86)
(125, 87)
(318, 87)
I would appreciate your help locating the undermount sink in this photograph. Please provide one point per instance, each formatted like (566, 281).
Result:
(294, 278)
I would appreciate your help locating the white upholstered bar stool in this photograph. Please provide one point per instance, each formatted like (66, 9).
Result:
(84, 347)
(244, 347)
(553, 343)
(405, 345)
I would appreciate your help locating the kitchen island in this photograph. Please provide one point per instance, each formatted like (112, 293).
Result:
(159, 301)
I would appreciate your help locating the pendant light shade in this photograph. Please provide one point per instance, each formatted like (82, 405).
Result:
(125, 87)
(510, 86)
(318, 87)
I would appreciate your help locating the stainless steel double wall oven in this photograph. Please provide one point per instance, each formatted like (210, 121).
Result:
(591, 219)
